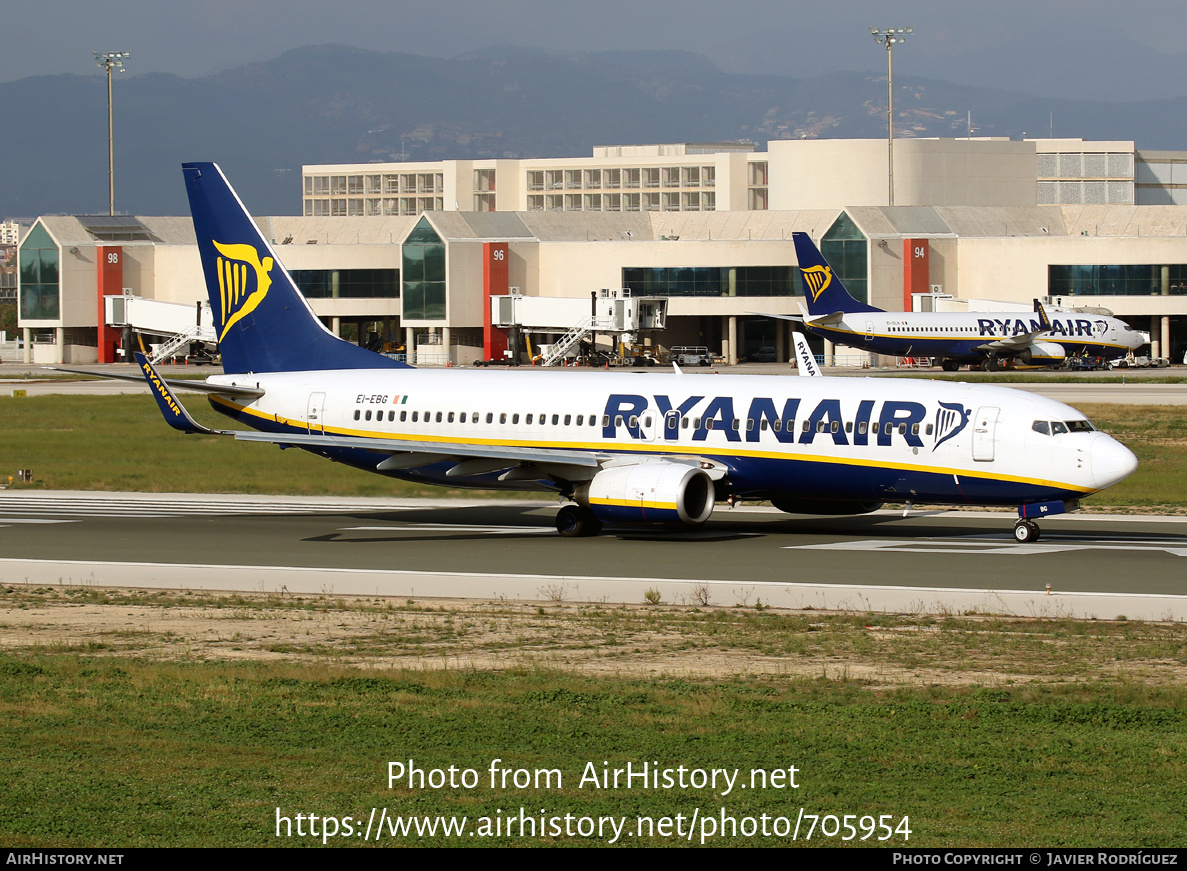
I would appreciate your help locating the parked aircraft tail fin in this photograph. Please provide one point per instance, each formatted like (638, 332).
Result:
(264, 323)
(823, 289)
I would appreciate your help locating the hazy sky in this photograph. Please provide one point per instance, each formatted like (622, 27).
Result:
(1083, 49)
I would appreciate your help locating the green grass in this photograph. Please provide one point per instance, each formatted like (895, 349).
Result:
(121, 443)
(126, 753)
(1157, 434)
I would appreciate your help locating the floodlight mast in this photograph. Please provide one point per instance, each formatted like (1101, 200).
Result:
(890, 38)
(109, 61)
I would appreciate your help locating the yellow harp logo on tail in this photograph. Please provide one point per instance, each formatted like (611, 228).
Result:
(239, 294)
(818, 278)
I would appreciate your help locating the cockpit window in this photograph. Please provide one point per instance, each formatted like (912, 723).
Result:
(1041, 426)
(1080, 426)
(1057, 427)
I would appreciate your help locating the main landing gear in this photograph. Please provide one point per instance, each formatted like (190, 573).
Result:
(573, 521)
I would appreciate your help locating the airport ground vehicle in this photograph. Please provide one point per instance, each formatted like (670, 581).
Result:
(692, 355)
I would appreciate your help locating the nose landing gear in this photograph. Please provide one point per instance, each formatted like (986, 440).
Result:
(1026, 531)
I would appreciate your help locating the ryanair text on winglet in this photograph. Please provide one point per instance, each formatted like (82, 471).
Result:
(161, 388)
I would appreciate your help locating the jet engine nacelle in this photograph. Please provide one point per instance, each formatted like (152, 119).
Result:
(824, 506)
(649, 492)
(1043, 354)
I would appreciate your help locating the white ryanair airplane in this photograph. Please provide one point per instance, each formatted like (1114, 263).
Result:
(984, 340)
(620, 448)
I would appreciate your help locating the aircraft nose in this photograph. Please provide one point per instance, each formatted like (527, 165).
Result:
(1111, 461)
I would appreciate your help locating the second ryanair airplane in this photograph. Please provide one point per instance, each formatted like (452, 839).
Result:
(619, 448)
(980, 339)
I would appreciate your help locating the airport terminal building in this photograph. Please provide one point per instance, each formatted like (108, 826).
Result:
(410, 254)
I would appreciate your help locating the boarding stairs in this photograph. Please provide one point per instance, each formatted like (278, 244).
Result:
(575, 334)
(166, 350)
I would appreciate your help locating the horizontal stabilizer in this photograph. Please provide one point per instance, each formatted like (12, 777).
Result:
(797, 318)
(174, 383)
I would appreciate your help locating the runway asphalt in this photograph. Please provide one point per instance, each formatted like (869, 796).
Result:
(944, 562)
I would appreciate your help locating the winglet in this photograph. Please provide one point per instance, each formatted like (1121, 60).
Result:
(804, 358)
(1044, 319)
(172, 409)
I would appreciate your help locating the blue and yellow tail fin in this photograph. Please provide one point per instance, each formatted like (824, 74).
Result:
(823, 289)
(264, 323)
(1044, 318)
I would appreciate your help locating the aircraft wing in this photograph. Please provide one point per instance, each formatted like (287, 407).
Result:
(1012, 343)
(174, 383)
(1017, 343)
(471, 459)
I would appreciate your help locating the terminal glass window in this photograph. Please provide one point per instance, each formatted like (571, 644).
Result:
(348, 283)
(1157, 279)
(712, 281)
(39, 276)
(846, 250)
(423, 274)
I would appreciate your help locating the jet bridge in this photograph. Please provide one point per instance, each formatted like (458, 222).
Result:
(571, 321)
(167, 327)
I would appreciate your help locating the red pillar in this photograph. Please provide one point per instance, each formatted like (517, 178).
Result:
(494, 283)
(110, 283)
(915, 269)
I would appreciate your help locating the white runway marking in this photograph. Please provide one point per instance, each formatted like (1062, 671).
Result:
(172, 505)
(453, 527)
(33, 520)
(1005, 547)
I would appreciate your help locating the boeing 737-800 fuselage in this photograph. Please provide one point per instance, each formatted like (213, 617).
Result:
(623, 448)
